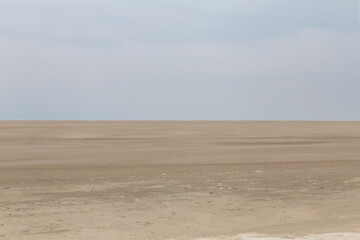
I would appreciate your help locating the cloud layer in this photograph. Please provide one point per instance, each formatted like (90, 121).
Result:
(272, 59)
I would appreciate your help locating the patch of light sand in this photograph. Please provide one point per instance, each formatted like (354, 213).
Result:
(326, 236)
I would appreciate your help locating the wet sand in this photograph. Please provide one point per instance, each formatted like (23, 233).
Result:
(179, 180)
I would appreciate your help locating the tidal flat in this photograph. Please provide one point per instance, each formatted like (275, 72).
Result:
(162, 180)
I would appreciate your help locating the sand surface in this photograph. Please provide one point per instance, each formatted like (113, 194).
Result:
(179, 180)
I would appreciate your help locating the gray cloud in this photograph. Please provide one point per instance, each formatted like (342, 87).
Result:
(110, 23)
(179, 59)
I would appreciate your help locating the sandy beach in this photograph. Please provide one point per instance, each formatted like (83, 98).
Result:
(162, 180)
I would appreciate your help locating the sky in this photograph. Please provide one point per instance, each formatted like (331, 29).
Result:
(179, 60)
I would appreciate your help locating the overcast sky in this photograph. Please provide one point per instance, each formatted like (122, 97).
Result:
(180, 59)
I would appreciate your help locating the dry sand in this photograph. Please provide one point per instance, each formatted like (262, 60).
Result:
(179, 180)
